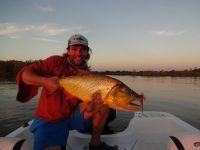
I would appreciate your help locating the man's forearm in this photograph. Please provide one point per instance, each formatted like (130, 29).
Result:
(32, 78)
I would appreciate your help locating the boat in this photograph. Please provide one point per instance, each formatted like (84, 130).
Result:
(147, 130)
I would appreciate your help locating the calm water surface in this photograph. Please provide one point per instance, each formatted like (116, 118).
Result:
(178, 96)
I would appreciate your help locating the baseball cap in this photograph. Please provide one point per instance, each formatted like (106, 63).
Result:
(77, 39)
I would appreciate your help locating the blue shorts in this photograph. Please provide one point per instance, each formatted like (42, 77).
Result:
(51, 134)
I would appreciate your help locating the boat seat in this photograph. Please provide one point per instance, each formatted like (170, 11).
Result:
(14, 143)
(184, 141)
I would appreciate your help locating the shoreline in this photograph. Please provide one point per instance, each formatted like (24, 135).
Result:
(11, 81)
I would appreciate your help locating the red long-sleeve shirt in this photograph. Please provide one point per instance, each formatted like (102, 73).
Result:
(52, 107)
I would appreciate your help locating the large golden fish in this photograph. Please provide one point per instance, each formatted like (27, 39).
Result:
(113, 92)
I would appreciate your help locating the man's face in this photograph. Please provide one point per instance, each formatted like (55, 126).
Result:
(77, 54)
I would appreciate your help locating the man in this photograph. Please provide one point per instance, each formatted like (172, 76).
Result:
(56, 112)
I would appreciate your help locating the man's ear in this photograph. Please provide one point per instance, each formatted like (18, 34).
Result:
(67, 51)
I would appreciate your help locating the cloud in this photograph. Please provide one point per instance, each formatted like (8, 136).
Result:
(52, 30)
(8, 29)
(46, 40)
(164, 33)
(46, 8)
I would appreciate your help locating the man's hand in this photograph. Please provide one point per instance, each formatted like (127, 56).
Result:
(91, 107)
(51, 84)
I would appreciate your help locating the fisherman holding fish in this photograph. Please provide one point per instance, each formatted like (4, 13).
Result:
(58, 111)
(72, 97)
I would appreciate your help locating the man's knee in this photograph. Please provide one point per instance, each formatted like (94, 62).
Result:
(101, 114)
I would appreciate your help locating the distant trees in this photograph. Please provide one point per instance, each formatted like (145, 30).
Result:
(173, 73)
(10, 68)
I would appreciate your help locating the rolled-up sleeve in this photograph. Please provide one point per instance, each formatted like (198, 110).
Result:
(27, 92)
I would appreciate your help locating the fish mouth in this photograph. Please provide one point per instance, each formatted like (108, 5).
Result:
(135, 103)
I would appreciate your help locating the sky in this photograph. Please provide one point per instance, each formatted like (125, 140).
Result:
(123, 34)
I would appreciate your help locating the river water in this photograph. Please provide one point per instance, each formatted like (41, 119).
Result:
(179, 96)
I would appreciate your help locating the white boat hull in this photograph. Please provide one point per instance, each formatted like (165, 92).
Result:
(146, 131)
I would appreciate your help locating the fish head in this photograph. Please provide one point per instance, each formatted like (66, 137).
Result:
(123, 98)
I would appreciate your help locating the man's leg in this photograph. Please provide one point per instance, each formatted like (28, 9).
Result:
(111, 117)
(50, 136)
(99, 121)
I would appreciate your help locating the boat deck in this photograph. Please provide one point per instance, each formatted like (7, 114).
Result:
(147, 130)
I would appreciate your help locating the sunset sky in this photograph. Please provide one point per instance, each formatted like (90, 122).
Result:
(123, 34)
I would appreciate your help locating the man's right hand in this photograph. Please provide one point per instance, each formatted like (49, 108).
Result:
(51, 84)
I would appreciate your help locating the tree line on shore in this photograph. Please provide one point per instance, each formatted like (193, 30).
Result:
(10, 68)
